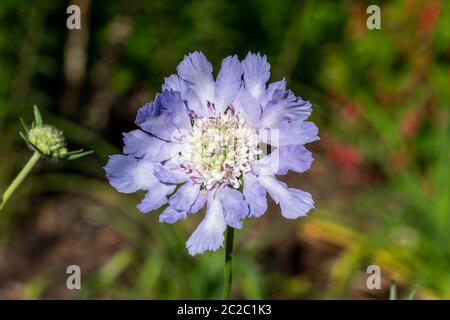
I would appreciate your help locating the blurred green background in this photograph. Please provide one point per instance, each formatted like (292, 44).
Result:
(380, 177)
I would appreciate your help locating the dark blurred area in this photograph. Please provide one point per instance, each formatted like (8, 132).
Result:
(380, 178)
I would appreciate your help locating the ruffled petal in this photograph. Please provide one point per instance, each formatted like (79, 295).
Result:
(209, 234)
(233, 205)
(228, 82)
(128, 174)
(171, 215)
(284, 106)
(191, 99)
(155, 198)
(142, 145)
(267, 95)
(255, 195)
(149, 110)
(248, 106)
(290, 132)
(170, 173)
(183, 199)
(256, 73)
(174, 104)
(197, 71)
(171, 119)
(294, 203)
(200, 202)
(161, 126)
(292, 157)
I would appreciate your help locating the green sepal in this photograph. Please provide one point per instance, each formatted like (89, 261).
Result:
(37, 116)
(24, 125)
(73, 156)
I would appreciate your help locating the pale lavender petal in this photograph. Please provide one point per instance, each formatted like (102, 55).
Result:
(233, 205)
(185, 197)
(191, 99)
(128, 174)
(284, 106)
(267, 95)
(155, 198)
(290, 132)
(255, 195)
(171, 215)
(197, 71)
(228, 82)
(174, 104)
(161, 126)
(149, 110)
(200, 202)
(294, 203)
(209, 234)
(169, 174)
(292, 157)
(142, 145)
(248, 106)
(172, 119)
(256, 73)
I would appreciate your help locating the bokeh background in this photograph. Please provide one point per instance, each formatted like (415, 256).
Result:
(380, 176)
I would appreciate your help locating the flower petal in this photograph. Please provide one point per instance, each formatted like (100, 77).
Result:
(209, 234)
(174, 104)
(128, 174)
(248, 106)
(228, 82)
(233, 205)
(267, 95)
(142, 145)
(292, 157)
(155, 198)
(197, 71)
(183, 199)
(294, 203)
(256, 73)
(171, 215)
(290, 132)
(191, 99)
(284, 106)
(255, 195)
(149, 110)
(169, 173)
(161, 126)
(200, 202)
(171, 119)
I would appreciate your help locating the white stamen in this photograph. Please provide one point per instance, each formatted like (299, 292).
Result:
(219, 149)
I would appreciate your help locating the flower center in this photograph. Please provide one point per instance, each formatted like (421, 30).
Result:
(219, 149)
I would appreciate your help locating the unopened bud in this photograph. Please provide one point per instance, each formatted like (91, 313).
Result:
(48, 140)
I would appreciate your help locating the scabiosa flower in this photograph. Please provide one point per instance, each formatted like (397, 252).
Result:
(202, 142)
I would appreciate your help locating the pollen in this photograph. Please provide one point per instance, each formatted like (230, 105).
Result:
(220, 148)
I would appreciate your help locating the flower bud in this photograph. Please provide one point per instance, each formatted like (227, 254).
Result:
(48, 140)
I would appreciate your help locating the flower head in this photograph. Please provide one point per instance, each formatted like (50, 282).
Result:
(49, 141)
(209, 138)
(219, 149)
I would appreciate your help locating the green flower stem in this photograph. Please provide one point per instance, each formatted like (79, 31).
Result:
(228, 263)
(20, 177)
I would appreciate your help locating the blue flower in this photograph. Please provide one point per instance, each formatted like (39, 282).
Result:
(202, 142)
